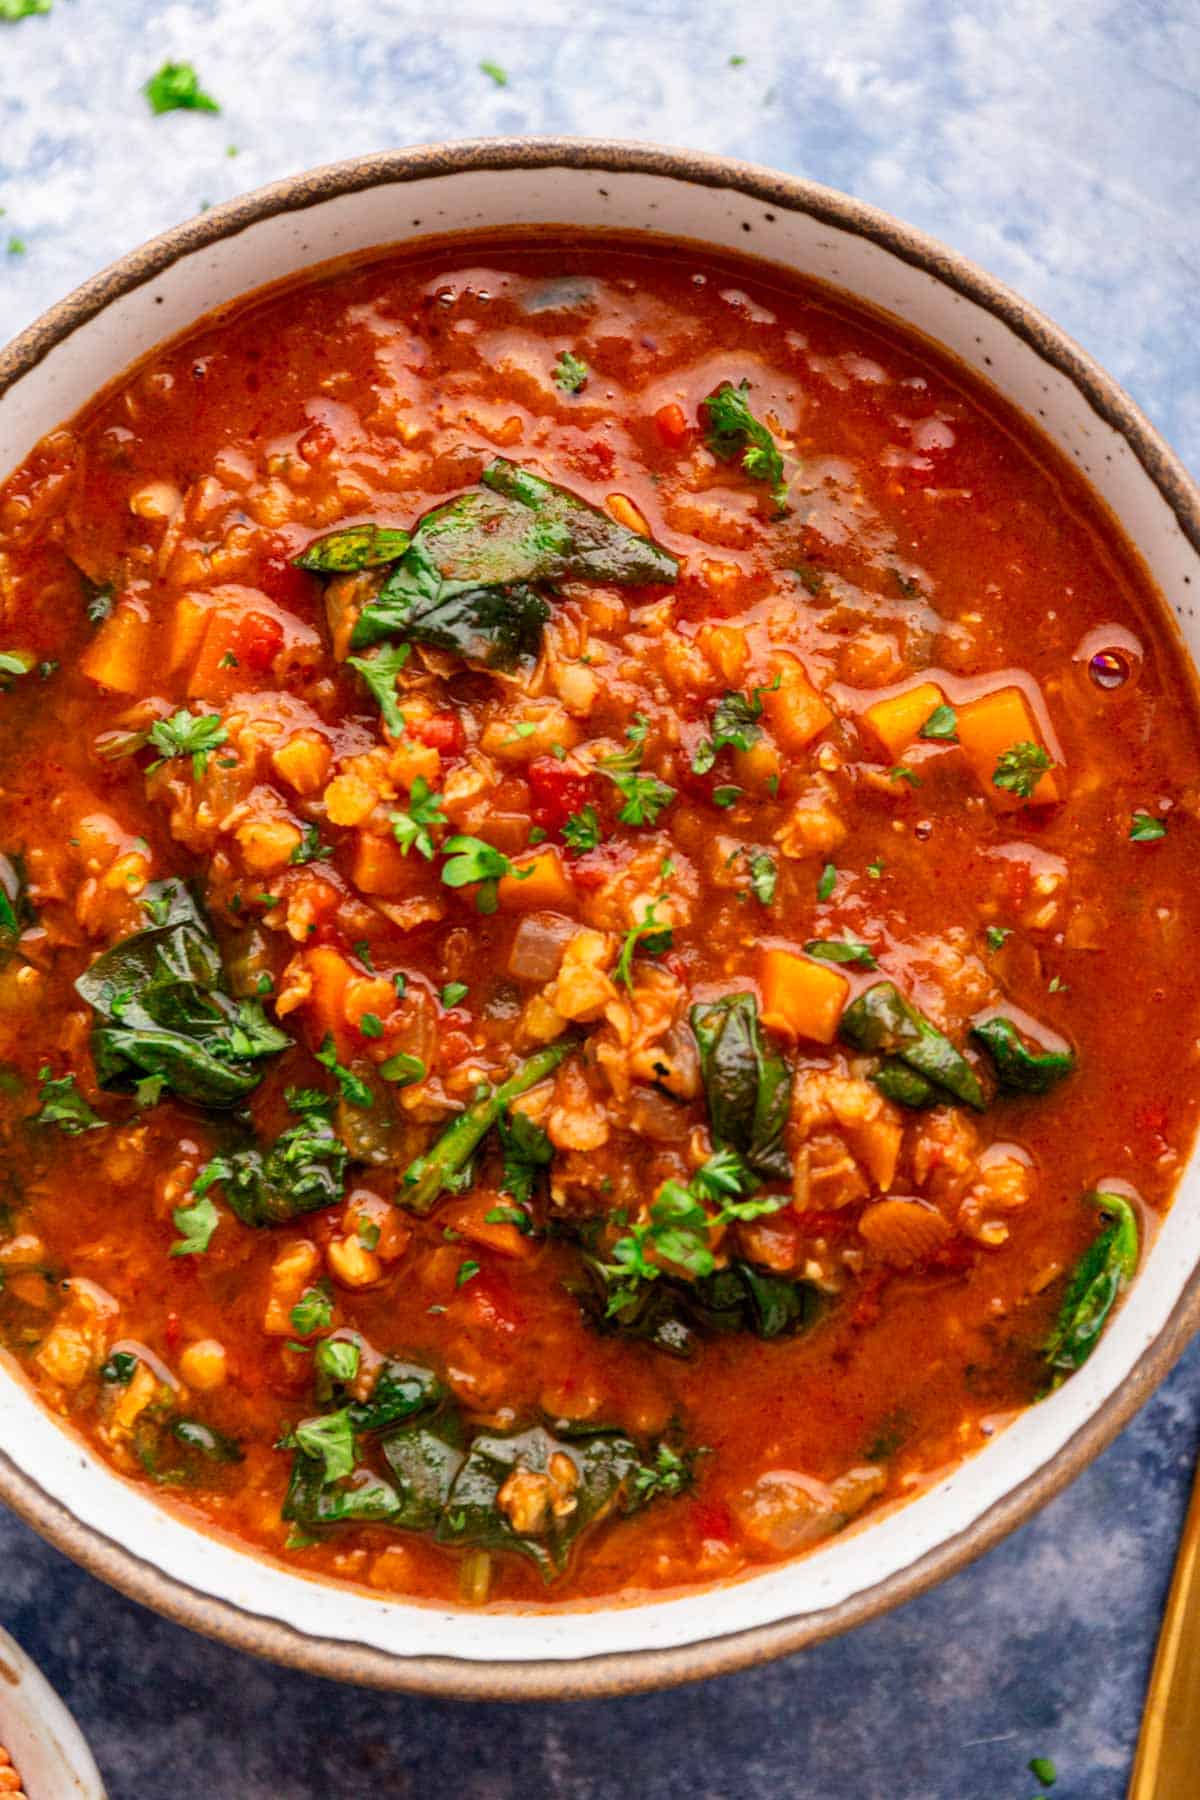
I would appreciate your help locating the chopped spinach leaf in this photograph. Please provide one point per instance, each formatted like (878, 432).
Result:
(1106, 1267)
(63, 1105)
(882, 1020)
(1144, 828)
(354, 1089)
(841, 950)
(356, 547)
(748, 1090)
(301, 1172)
(1019, 1069)
(379, 672)
(413, 830)
(941, 727)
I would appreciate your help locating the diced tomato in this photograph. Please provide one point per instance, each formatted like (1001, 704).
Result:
(827, 1224)
(712, 1519)
(443, 733)
(490, 1299)
(673, 427)
(280, 580)
(258, 639)
(556, 792)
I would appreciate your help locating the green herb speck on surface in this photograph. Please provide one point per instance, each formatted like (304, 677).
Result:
(176, 88)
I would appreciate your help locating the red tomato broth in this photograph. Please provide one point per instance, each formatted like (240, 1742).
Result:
(938, 539)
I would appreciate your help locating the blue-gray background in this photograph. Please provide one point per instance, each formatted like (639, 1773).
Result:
(1056, 144)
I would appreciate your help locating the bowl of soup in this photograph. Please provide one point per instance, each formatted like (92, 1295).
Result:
(599, 817)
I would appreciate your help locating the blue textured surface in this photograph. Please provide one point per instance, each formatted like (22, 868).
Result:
(1057, 146)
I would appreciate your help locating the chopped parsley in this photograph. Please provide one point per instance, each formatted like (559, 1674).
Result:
(1020, 768)
(470, 860)
(875, 869)
(827, 882)
(187, 734)
(329, 1439)
(726, 796)
(643, 796)
(764, 875)
(402, 1070)
(1044, 1769)
(354, 1088)
(176, 88)
(453, 992)
(310, 848)
(841, 950)
(371, 1025)
(650, 935)
(735, 723)
(582, 830)
(197, 1224)
(735, 435)
(902, 772)
(1144, 828)
(412, 830)
(941, 727)
(312, 1312)
(12, 10)
(467, 1271)
(337, 1359)
(570, 373)
(494, 72)
(63, 1105)
(996, 934)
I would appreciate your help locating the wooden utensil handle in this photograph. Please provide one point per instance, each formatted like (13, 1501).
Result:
(1168, 1754)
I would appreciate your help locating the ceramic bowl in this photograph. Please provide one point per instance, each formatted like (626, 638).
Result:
(45, 1744)
(116, 1530)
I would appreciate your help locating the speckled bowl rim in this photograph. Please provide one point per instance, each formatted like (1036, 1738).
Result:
(634, 1671)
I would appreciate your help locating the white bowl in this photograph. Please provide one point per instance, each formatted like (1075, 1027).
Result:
(45, 1743)
(48, 373)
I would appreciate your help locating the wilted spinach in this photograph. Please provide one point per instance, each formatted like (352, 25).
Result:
(883, 1020)
(302, 1171)
(1018, 1068)
(163, 999)
(748, 1090)
(1106, 1267)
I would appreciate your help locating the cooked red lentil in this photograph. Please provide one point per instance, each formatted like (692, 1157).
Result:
(599, 851)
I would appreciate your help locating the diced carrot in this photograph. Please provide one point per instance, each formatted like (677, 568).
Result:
(801, 998)
(897, 720)
(795, 710)
(546, 886)
(381, 867)
(187, 630)
(331, 975)
(368, 994)
(411, 758)
(468, 1218)
(726, 649)
(267, 845)
(757, 766)
(989, 726)
(236, 648)
(116, 655)
(626, 513)
(303, 762)
(672, 422)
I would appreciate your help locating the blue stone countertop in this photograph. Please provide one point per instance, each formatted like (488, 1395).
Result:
(1057, 146)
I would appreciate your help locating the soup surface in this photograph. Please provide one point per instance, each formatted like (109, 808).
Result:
(598, 858)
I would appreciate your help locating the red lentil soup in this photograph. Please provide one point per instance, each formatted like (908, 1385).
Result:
(598, 852)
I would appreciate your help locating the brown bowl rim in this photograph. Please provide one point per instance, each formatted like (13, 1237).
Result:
(638, 1670)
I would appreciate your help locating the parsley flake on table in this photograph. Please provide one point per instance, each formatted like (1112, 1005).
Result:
(176, 88)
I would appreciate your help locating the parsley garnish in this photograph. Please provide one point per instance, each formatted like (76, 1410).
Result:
(412, 829)
(996, 934)
(668, 1476)
(526, 1150)
(941, 727)
(402, 1069)
(1043, 1767)
(582, 830)
(570, 373)
(371, 1025)
(764, 875)
(653, 938)
(310, 848)
(63, 1105)
(187, 734)
(467, 1271)
(1020, 768)
(735, 435)
(469, 859)
(197, 1223)
(679, 1225)
(494, 72)
(453, 992)
(902, 772)
(312, 1312)
(726, 796)
(337, 1359)
(1144, 828)
(875, 869)
(841, 950)
(13, 663)
(827, 882)
(379, 671)
(12, 10)
(176, 87)
(735, 722)
(354, 1088)
(643, 796)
